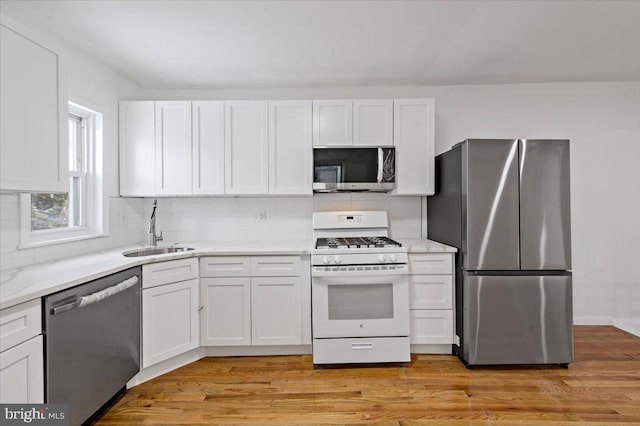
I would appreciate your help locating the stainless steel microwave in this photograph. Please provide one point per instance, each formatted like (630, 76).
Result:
(354, 169)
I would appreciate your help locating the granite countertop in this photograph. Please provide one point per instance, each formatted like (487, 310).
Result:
(30, 282)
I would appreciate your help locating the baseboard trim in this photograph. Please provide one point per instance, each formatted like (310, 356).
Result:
(166, 366)
(593, 321)
(439, 349)
(628, 325)
(214, 351)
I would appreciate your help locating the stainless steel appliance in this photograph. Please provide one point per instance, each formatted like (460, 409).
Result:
(92, 342)
(505, 204)
(360, 290)
(354, 169)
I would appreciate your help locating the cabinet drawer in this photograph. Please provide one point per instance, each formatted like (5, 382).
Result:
(430, 326)
(225, 266)
(430, 292)
(172, 271)
(430, 264)
(20, 323)
(275, 266)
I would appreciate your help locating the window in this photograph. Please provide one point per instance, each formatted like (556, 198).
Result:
(48, 218)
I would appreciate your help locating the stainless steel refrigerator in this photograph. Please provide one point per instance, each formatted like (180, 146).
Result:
(505, 204)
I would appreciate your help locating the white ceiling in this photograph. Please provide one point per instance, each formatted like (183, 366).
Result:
(238, 44)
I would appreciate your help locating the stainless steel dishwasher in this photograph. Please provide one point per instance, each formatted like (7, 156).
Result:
(92, 341)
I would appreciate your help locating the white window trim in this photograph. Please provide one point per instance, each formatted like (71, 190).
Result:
(94, 224)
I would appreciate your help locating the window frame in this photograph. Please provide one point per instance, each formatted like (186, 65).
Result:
(91, 210)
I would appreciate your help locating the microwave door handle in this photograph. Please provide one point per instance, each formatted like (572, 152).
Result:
(380, 165)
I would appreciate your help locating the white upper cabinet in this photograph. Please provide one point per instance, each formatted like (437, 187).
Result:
(208, 147)
(173, 148)
(33, 113)
(414, 133)
(290, 148)
(137, 132)
(373, 122)
(246, 147)
(332, 122)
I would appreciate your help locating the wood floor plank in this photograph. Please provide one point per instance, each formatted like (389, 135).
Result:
(601, 387)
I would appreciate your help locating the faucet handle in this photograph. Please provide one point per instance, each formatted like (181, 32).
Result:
(159, 237)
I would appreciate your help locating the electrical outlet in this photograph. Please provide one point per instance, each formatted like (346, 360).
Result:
(122, 219)
(262, 216)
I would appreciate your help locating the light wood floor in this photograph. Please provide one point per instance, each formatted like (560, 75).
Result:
(601, 387)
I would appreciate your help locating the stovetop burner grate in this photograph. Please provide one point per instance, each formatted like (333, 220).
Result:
(355, 242)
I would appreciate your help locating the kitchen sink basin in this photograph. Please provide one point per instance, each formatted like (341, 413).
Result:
(150, 251)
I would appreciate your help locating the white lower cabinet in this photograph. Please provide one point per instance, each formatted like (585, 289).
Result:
(170, 323)
(226, 314)
(431, 326)
(21, 359)
(22, 373)
(431, 298)
(258, 308)
(276, 314)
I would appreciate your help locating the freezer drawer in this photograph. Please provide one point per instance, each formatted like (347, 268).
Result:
(524, 319)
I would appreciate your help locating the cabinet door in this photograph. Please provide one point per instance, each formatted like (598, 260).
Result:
(430, 292)
(33, 112)
(170, 324)
(431, 327)
(332, 122)
(373, 122)
(22, 373)
(246, 147)
(137, 133)
(208, 147)
(173, 148)
(413, 136)
(290, 148)
(276, 311)
(226, 314)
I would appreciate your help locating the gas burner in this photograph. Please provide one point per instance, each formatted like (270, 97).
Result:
(356, 243)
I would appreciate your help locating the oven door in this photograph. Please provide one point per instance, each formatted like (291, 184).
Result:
(360, 303)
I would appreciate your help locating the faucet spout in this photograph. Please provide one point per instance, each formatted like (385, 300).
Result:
(153, 238)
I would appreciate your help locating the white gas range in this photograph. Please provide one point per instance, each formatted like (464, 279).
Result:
(360, 290)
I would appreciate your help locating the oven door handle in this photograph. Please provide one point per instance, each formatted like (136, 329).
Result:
(346, 274)
(96, 297)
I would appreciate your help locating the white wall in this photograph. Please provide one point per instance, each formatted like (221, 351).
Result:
(602, 120)
(92, 84)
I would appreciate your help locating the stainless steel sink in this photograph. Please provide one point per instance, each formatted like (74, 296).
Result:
(150, 251)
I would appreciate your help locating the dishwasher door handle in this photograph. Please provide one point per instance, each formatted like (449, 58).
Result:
(96, 297)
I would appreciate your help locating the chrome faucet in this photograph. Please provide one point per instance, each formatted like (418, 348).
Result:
(153, 238)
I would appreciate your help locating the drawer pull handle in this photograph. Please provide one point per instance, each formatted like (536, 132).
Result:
(362, 346)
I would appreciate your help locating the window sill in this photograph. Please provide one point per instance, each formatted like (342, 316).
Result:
(62, 240)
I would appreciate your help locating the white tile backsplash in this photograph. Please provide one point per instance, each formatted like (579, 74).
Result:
(185, 219)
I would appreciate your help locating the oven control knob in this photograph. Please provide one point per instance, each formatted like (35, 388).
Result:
(326, 260)
(382, 258)
(337, 259)
(393, 258)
